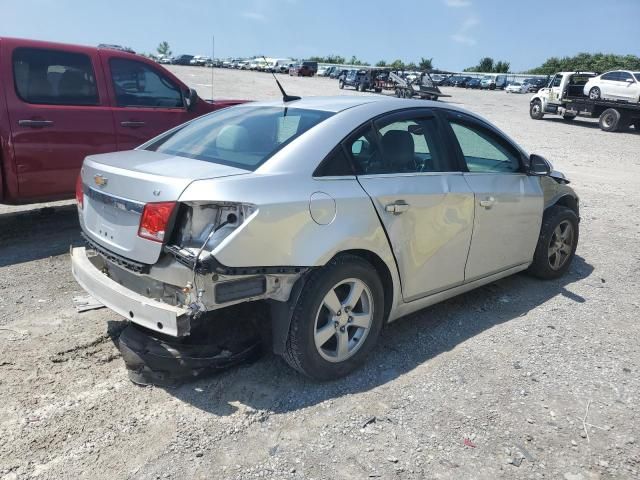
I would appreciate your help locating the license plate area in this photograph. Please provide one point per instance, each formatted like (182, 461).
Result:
(113, 220)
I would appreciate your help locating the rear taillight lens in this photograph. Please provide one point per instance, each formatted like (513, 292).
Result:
(79, 191)
(155, 219)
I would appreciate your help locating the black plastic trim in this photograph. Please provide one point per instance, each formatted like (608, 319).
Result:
(132, 265)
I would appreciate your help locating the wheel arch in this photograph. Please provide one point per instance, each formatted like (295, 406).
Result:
(568, 201)
(281, 312)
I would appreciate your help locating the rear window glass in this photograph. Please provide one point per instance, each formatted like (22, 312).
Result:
(243, 137)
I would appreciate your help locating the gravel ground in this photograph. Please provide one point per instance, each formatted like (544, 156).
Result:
(518, 379)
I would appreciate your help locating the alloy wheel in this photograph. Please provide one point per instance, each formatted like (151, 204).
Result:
(561, 245)
(343, 320)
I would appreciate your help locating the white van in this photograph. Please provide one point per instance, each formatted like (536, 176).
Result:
(281, 65)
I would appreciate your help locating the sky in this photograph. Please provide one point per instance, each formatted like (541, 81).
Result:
(455, 33)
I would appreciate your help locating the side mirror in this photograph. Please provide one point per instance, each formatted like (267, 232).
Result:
(538, 165)
(190, 99)
(629, 80)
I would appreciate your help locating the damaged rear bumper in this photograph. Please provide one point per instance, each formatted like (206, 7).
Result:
(149, 313)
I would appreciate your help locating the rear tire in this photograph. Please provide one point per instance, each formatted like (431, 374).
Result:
(535, 110)
(317, 353)
(610, 120)
(594, 93)
(557, 243)
(341, 85)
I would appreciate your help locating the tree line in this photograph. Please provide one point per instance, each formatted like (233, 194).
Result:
(597, 62)
(589, 62)
(398, 64)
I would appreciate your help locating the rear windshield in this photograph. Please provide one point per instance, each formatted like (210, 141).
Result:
(243, 137)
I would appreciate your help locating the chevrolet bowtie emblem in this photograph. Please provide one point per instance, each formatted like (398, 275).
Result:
(100, 180)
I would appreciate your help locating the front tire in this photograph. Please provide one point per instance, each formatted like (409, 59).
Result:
(535, 110)
(337, 319)
(340, 84)
(557, 243)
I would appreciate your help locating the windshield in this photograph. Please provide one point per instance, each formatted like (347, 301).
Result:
(243, 137)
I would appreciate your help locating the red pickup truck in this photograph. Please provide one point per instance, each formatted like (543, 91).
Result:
(60, 103)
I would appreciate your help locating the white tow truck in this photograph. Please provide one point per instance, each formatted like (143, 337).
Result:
(565, 96)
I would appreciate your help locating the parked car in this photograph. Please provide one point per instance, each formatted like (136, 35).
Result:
(517, 87)
(339, 73)
(61, 103)
(491, 82)
(199, 61)
(304, 69)
(535, 84)
(418, 202)
(182, 60)
(461, 81)
(614, 85)
(163, 59)
(473, 83)
(353, 78)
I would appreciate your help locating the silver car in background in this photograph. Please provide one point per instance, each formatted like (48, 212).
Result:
(338, 214)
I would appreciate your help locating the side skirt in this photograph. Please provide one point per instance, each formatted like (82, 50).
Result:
(407, 308)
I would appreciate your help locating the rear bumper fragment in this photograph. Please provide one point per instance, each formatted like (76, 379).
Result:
(149, 313)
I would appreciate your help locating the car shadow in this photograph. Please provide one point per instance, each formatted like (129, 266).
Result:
(37, 234)
(588, 123)
(270, 386)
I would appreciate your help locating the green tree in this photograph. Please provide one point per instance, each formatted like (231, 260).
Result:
(164, 49)
(501, 67)
(381, 63)
(485, 65)
(335, 59)
(597, 62)
(426, 63)
(411, 66)
(397, 64)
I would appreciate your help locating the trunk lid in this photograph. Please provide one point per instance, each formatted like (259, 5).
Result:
(118, 185)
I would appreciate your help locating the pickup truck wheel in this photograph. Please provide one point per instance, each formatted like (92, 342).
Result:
(340, 84)
(535, 110)
(361, 87)
(594, 93)
(337, 319)
(610, 120)
(556, 244)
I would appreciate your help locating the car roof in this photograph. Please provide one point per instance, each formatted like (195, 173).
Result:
(338, 103)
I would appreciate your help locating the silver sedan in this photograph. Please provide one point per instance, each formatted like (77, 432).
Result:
(337, 214)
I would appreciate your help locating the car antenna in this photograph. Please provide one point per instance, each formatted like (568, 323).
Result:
(285, 98)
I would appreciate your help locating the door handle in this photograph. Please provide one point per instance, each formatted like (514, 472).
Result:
(487, 202)
(398, 207)
(132, 124)
(35, 123)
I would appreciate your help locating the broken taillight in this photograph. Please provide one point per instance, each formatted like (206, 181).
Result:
(155, 219)
(79, 191)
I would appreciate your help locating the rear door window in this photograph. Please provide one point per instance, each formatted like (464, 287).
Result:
(138, 85)
(54, 77)
(624, 76)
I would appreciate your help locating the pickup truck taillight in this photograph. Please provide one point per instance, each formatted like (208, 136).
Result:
(79, 191)
(155, 219)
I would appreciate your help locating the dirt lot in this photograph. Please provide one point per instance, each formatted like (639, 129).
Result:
(542, 378)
